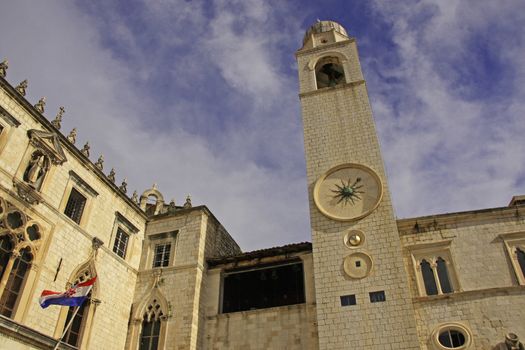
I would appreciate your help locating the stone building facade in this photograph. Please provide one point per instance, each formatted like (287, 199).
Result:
(171, 277)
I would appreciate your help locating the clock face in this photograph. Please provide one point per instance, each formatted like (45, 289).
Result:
(348, 192)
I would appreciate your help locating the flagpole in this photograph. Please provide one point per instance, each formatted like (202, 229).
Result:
(67, 327)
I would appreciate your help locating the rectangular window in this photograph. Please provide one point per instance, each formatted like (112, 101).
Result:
(121, 243)
(347, 300)
(75, 206)
(162, 255)
(376, 297)
(263, 288)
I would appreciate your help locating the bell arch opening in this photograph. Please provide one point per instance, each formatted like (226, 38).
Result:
(329, 72)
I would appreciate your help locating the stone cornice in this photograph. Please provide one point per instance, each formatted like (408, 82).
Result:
(333, 88)
(301, 52)
(451, 220)
(37, 116)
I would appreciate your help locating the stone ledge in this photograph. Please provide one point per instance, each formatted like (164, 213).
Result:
(25, 335)
(479, 293)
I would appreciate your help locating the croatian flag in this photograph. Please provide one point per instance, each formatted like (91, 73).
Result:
(74, 296)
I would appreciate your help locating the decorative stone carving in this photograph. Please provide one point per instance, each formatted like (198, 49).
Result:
(27, 193)
(41, 104)
(85, 149)
(48, 143)
(57, 123)
(187, 204)
(100, 162)
(135, 197)
(96, 243)
(21, 88)
(111, 175)
(124, 186)
(172, 203)
(511, 342)
(3, 68)
(36, 169)
(72, 137)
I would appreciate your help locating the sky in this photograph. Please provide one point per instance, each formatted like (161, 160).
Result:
(201, 97)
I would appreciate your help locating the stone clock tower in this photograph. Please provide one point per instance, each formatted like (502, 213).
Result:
(362, 295)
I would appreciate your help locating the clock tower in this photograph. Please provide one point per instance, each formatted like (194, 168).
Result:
(361, 284)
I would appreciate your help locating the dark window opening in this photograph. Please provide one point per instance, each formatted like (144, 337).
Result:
(162, 255)
(73, 335)
(451, 339)
(521, 259)
(15, 281)
(75, 206)
(443, 276)
(347, 300)
(149, 337)
(121, 243)
(428, 278)
(329, 72)
(263, 288)
(377, 297)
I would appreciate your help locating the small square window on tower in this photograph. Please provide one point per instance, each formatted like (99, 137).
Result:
(348, 300)
(377, 297)
(162, 255)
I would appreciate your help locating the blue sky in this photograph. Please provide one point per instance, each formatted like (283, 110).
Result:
(201, 98)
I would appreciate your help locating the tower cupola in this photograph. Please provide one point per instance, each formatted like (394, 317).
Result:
(322, 33)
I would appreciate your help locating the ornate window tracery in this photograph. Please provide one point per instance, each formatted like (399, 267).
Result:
(151, 324)
(434, 268)
(20, 239)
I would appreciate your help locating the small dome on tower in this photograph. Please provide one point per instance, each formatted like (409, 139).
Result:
(322, 27)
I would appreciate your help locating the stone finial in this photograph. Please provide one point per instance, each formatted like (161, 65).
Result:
(124, 186)
(187, 204)
(135, 197)
(111, 175)
(100, 162)
(21, 88)
(85, 149)
(154, 186)
(57, 123)
(3, 68)
(72, 137)
(96, 243)
(41, 104)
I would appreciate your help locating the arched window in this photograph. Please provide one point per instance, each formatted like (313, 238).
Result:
(73, 335)
(428, 278)
(444, 279)
(151, 325)
(521, 259)
(329, 71)
(15, 282)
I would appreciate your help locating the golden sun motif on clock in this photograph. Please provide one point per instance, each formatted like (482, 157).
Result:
(348, 192)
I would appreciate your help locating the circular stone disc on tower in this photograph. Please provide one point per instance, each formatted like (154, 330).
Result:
(348, 192)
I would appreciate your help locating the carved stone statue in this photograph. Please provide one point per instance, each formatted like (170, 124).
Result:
(72, 137)
(124, 186)
(3, 68)
(135, 197)
(21, 88)
(187, 204)
(100, 162)
(41, 104)
(172, 203)
(58, 119)
(85, 149)
(111, 175)
(36, 169)
(511, 342)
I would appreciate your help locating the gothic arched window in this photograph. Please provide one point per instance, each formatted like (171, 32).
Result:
(73, 335)
(152, 326)
(444, 279)
(329, 71)
(15, 282)
(428, 278)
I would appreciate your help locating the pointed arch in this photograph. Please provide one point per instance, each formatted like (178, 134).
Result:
(79, 332)
(150, 317)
